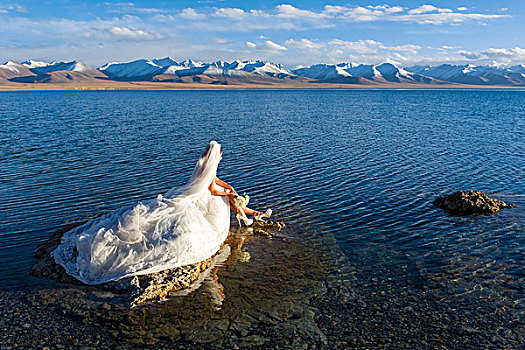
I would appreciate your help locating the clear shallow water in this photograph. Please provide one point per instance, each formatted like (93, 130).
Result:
(361, 165)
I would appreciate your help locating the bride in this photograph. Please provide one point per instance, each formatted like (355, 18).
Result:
(185, 226)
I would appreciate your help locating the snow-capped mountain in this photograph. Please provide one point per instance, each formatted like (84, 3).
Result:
(32, 71)
(146, 69)
(165, 62)
(129, 70)
(520, 68)
(260, 67)
(223, 72)
(41, 67)
(384, 72)
(324, 71)
(13, 69)
(472, 74)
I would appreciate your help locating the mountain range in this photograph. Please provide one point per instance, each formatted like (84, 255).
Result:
(167, 70)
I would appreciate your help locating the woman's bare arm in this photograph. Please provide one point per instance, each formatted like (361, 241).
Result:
(214, 192)
(223, 184)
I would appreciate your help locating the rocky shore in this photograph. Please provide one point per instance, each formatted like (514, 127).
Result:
(260, 286)
(279, 291)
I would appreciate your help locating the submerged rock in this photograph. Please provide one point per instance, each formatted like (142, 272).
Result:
(132, 290)
(137, 289)
(266, 227)
(470, 202)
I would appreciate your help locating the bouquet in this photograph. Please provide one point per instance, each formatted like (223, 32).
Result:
(242, 201)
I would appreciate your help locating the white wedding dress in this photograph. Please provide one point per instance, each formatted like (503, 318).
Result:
(185, 226)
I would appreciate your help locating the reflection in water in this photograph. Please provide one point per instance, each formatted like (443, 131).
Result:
(230, 253)
(211, 282)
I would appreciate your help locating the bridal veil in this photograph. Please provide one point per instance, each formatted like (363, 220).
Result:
(185, 226)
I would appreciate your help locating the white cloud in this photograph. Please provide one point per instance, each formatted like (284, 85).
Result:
(359, 51)
(133, 34)
(428, 8)
(496, 56)
(128, 7)
(289, 17)
(309, 51)
(191, 13)
(503, 9)
(468, 54)
(424, 14)
(289, 11)
(230, 12)
(410, 48)
(273, 46)
(11, 8)
(359, 13)
(266, 45)
(361, 46)
(516, 53)
(305, 44)
(445, 18)
(387, 9)
(221, 41)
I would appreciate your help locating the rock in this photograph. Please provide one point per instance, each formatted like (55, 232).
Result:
(467, 330)
(265, 227)
(470, 202)
(136, 290)
(159, 285)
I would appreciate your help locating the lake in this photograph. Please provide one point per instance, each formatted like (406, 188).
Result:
(361, 166)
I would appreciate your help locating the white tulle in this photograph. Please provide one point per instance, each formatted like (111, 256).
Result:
(185, 226)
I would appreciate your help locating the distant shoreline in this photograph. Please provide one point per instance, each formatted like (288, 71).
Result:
(197, 86)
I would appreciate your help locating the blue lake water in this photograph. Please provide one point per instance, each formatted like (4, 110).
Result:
(361, 165)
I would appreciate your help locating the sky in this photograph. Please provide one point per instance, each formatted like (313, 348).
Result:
(294, 33)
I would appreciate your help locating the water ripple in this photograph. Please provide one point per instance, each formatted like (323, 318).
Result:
(364, 165)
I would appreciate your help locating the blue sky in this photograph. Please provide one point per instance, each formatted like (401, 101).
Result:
(290, 32)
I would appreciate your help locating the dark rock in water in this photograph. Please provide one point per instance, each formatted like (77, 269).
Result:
(470, 202)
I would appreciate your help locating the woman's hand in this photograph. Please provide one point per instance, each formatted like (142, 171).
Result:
(231, 194)
(231, 191)
(224, 184)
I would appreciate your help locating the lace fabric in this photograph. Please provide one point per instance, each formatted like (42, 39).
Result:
(185, 226)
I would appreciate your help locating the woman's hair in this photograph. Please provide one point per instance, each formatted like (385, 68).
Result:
(208, 149)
